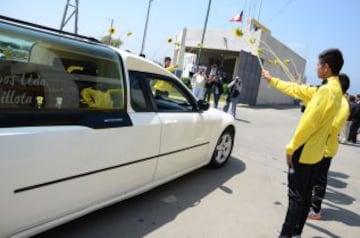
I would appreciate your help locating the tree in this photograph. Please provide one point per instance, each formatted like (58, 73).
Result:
(116, 42)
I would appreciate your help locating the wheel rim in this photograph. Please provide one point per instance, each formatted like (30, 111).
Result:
(223, 148)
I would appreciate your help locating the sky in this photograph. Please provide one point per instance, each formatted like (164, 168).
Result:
(306, 26)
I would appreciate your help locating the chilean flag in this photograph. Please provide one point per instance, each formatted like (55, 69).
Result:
(238, 17)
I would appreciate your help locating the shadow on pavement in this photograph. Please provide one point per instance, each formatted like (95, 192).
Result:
(334, 212)
(338, 175)
(320, 229)
(140, 215)
(338, 197)
(336, 183)
(339, 214)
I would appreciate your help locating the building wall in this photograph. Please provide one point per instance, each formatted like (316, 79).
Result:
(268, 95)
(223, 44)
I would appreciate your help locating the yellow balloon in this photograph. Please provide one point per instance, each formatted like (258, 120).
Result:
(112, 30)
(238, 32)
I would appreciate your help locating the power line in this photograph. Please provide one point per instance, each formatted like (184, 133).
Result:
(280, 11)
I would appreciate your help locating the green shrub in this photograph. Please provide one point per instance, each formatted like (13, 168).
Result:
(225, 89)
(186, 81)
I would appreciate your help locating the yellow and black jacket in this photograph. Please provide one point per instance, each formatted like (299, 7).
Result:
(332, 144)
(314, 127)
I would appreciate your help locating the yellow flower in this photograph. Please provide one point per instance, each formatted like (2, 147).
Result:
(238, 32)
(276, 61)
(286, 62)
(111, 30)
(260, 51)
(169, 40)
(177, 43)
(129, 33)
(252, 40)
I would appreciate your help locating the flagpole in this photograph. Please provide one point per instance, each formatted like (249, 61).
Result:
(242, 22)
(145, 28)
(203, 33)
(260, 6)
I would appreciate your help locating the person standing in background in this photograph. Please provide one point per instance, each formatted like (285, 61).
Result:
(331, 149)
(198, 84)
(344, 134)
(233, 96)
(162, 87)
(209, 86)
(355, 120)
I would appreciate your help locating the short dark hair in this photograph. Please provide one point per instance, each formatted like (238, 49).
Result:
(334, 58)
(352, 98)
(344, 82)
(167, 58)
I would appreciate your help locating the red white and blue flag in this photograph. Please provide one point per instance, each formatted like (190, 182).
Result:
(238, 17)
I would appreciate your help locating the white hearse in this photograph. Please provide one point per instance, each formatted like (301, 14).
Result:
(84, 125)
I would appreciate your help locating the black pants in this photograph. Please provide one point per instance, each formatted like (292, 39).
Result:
(320, 184)
(353, 130)
(300, 184)
(208, 91)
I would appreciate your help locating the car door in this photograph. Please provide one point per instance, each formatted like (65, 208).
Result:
(68, 144)
(185, 130)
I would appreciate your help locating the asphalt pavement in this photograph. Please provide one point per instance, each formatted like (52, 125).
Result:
(246, 199)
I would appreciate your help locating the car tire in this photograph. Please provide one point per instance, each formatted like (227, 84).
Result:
(222, 149)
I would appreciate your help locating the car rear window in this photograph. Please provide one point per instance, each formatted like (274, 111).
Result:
(44, 71)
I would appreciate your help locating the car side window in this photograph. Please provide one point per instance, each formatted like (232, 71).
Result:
(139, 100)
(51, 79)
(39, 74)
(168, 95)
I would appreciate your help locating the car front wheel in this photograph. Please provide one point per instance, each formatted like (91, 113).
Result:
(223, 149)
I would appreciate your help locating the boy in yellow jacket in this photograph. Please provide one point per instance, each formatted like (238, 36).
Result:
(162, 86)
(331, 148)
(306, 149)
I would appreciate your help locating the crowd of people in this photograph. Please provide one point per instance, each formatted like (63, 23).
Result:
(351, 127)
(205, 85)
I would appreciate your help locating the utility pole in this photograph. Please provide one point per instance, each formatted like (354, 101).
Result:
(74, 13)
(111, 30)
(203, 33)
(145, 28)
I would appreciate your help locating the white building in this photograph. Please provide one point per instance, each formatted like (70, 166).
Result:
(237, 56)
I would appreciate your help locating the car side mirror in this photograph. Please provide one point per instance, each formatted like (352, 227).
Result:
(203, 105)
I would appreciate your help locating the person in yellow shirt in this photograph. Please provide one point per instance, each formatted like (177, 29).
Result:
(331, 148)
(306, 148)
(161, 86)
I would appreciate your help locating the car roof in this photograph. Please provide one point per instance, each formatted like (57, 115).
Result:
(137, 63)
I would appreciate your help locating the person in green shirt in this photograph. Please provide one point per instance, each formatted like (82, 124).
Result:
(307, 146)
